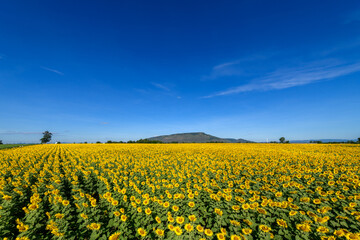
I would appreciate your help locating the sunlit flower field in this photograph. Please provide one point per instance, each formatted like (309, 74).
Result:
(180, 191)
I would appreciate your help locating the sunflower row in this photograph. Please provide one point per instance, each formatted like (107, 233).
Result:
(180, 191)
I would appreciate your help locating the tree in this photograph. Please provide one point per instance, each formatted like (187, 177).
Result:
(358, 140)
(1, 142)
(282, 139)
(46, 137)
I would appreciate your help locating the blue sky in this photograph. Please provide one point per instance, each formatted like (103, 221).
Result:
(124, 70)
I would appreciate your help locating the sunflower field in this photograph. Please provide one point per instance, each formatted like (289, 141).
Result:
(180, 191)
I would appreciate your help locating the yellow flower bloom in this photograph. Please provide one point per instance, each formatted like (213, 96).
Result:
(264, 228)
(199, 228)
(246, 231)
(180, 220)
(188, 227)
(235, 237)
(59, 215)
(142, 232)
(159, 232)
(303, 227)
(178, 231)
(292, 213)
(148, 211)
(220, 236)
(208, 232)
(115, 236)
(281, 223)
(192, 218)
(322, 229)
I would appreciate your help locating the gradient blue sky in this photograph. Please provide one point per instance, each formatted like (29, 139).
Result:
(124, 70)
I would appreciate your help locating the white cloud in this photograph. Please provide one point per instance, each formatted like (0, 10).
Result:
(161, 86)
(52, 70)
(292, 77)
(20, 133)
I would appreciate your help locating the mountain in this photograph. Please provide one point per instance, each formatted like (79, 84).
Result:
(195, 137)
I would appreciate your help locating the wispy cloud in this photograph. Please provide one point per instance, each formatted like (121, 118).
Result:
(161, 86)
(104, 123)
(292, 77)
(235, 68)
(224, 70)
(19, 133)
(52, 70)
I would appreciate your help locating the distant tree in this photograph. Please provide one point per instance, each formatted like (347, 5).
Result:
(98, 142)
(46, 137)
(148, 141)
(358, 140)
(109, 141)
(282, 140)
(1, 142)
(85, 142)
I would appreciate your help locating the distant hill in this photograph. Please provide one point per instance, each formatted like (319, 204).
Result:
(322, 140)
(195, 137)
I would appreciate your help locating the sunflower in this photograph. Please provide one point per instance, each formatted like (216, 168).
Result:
(171, 227)
(65, 202)
(208, 232)
(178, 230)
(236, 207)
(245, 206)
(115, 236)
(188, 227)
(303, 227)
(142, 232)
(246, 231)
(192, 218)
(123, 218)
(264, 228)
(199, 228)
(322, 229)
(95, 226)
(148, 211)
(235, 237)
(292, 213)
(159, 232)
(59, 215)
(261, 210)
(220, 236)
(180, 220)
(281, 223)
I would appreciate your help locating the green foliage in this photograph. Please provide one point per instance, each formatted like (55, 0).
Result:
(46, 137)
